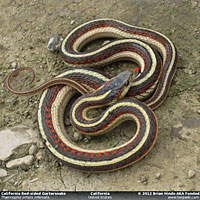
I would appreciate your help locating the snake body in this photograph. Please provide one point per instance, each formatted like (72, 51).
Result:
(151, 85)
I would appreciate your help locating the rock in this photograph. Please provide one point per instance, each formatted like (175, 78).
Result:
(40, 155)
(32, 149)
(86, 140)
(72, 22)
(13, 65)
(198, 111)
(157, 175)
(191, 173)
(194, 3)
(20, 162)
(3, 173)
(12, 138)
(40, 144)
(54, 43)
(143, 180)
(33, 180)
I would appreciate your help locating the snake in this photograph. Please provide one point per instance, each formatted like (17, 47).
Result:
(156, 56)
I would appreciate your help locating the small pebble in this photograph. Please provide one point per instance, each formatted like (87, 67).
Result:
(77, 136)
(86, 140)
(40, 155)
(15, 183)
(3, 173)
(33, 180)
(20, 162)
(191, 173)
(40, 144)
(32, 149)
(13, 65)
(143, 180)
(54, 43)
(158, 175)
(72, 22)
(198, 111)
(194, 3)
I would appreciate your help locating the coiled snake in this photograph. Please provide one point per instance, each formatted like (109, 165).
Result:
(151, 86)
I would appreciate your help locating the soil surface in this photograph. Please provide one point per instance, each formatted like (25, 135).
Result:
(174, 162)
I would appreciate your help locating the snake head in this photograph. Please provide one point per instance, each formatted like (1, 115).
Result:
(112, 90)
(119, 85)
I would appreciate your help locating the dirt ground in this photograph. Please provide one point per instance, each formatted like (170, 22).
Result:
(174, 162)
